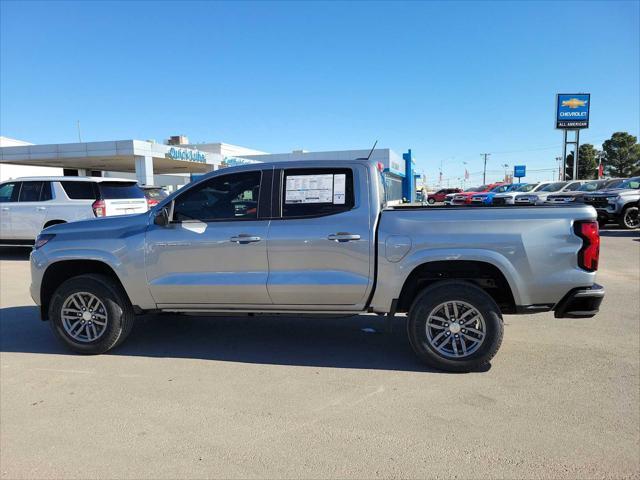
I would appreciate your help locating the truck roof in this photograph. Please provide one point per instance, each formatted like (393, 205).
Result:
(69, 179)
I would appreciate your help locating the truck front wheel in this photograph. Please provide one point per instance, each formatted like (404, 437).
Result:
(455, 326)
(91, 314)
(629, 218)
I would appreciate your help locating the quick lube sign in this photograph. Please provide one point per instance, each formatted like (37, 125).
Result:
(187, 155)
(572, 110)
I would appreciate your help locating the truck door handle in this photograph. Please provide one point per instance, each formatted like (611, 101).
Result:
(5, 209)
(41, 208)
(243, 238)
(343, 237)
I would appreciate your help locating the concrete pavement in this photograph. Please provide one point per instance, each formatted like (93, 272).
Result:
(256, 397)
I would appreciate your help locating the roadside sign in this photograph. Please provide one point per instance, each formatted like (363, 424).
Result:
(572, 110)
(519, 171)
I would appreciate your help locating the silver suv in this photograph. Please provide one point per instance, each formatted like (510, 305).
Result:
(618, 205)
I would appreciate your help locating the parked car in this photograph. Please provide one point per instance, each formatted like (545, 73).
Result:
(440, 195)
(486, 198)
(331, 249)
(538, 197)
(448, 198)
(27, 205)
(507, 198)
(577, 195)
(464, 198)
(154, 195)
(617, 204)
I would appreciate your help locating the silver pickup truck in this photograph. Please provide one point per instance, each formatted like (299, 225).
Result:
(318, 238)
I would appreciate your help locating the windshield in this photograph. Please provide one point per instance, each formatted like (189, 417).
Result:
(590, 186)
(501, 188)
(527, 187)
(614, 183)
(481, 188)
(632, 183)
(155, 193)
(553, 187)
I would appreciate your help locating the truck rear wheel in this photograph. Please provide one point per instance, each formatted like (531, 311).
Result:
(455, 326)
(91, 314)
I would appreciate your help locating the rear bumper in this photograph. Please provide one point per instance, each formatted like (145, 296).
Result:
(582, 302)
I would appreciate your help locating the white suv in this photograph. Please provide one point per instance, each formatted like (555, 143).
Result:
(27, 205)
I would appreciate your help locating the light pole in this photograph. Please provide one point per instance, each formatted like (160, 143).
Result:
(484, 172)
(464, 177)
(505, 165)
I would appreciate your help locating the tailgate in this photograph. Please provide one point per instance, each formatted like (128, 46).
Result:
(125, 206)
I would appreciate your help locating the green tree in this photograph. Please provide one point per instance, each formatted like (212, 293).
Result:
(587, 162)
(622, 155)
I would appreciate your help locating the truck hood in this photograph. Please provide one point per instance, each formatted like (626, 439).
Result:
(614, 191)
(100, 225)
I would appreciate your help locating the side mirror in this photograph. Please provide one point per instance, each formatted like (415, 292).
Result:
(162, 217)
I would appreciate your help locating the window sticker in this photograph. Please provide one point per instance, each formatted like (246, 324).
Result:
(311, 189)
(339, 186)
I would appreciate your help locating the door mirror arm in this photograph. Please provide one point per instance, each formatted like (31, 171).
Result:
(162, 217)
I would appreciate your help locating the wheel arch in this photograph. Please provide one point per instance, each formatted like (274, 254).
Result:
(59, 272)
(483, 274)
(50, 223)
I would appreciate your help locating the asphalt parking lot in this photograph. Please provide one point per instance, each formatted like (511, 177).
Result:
(189, 397)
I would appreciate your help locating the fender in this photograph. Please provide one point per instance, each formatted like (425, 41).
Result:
(392, 276)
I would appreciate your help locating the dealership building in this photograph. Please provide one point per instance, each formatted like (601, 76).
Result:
(176, 162)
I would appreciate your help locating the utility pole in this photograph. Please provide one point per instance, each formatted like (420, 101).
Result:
(484, 172)
(559, 160)
(79, 137)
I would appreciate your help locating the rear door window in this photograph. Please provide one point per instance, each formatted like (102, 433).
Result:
(114, 190)
(79, 190)
(9, 192)
(45, 193)
(309, 192)
(30, 191)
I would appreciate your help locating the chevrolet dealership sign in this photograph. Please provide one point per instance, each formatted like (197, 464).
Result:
(572, 110)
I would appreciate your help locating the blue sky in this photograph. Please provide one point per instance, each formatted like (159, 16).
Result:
(448, 80)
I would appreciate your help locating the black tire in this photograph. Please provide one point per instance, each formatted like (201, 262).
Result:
(119, 312)
(460, 291)
(431, 201)
(629, 218)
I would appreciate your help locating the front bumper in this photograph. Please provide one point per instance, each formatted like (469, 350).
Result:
(582, 302)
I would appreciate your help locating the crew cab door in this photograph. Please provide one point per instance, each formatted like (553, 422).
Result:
(321, 239)
(214, 250)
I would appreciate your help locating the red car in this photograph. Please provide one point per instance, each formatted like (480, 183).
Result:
(440, 194)
(464, 198)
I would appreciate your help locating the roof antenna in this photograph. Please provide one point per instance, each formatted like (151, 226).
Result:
(370, 153)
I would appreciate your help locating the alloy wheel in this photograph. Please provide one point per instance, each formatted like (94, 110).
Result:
(455, 329)
(631, 219)
(84, 317)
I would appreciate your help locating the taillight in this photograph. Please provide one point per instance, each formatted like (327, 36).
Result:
(99, 208)
(590, 251)
(152, 202)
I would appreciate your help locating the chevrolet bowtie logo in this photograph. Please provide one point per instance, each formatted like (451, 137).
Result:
(573, 103)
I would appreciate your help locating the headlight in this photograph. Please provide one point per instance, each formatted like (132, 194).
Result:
(42, 240)
(613, 199)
